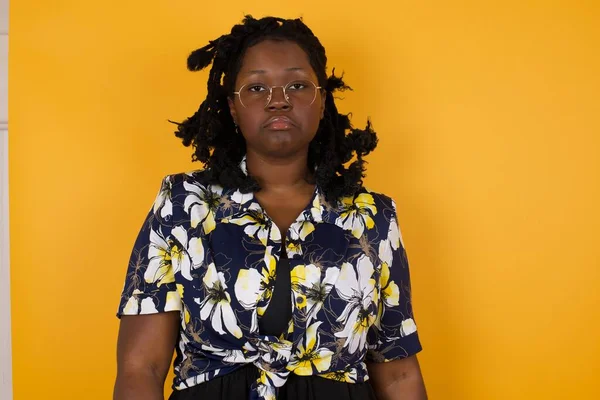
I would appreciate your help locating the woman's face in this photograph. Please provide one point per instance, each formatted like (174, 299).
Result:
(278, 128)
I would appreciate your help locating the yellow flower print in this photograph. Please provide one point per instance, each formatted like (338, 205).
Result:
(177, 253)
(266, 390)
(357, 214)
(309, 355)
(268, 273)
(301, 229)
(309, 291)
(293, 248)
(300, 301)
(390, 293)
(348, 375)
(186, 313)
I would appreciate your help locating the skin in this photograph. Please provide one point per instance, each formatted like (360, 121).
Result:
(144, 351)
(397, 380)
(277, 158)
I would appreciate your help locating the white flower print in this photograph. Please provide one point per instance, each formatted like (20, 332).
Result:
(309, 291)
(408, 327)
(268, 382)
(303, 227)
(147, 306)
(389, 290)
(275, 351)
(257, 224)
(308, 354)
(357, 214)
(359, 292)
(299, 230)
(132, 307)
(251, 286)
(391, 244)
(185, 255)
(395, 233)
(241, 198)
(216, 303)
(229, 355)
(316, 209)
(201, 203)
(162, 205)
(160, 270)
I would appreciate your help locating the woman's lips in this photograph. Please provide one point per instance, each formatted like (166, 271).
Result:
(279, 123)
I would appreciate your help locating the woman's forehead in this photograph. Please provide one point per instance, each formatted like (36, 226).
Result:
(272, 56)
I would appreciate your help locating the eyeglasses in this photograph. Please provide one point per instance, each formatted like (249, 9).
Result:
(297, 93)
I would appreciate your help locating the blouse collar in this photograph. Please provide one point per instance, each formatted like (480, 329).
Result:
(317, 210)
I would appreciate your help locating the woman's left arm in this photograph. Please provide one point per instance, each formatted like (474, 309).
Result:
(397, 380)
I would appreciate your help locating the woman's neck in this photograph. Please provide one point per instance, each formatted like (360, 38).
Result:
(278, 174)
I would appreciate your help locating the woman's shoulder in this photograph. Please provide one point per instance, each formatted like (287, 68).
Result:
(381, 206)
(380, 201)
(179, 182)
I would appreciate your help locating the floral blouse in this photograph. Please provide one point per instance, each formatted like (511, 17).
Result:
(211, 254)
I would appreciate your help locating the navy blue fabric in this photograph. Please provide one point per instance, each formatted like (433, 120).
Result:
(211, 254)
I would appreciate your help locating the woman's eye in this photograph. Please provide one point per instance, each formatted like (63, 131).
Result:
(256, 88)
(297, 86)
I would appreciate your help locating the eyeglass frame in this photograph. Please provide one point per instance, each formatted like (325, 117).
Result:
(285, 95)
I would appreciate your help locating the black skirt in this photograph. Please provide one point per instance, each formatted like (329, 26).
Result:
(236, 385)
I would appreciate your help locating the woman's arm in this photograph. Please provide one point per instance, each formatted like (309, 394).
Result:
(397, 380)
(144, 353)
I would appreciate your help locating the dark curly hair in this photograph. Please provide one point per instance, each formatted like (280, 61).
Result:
(211, 130)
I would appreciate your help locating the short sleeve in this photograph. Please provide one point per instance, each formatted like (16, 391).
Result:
(150, 281)
(394, 333)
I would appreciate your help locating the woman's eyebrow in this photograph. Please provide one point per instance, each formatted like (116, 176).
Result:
(262, 71)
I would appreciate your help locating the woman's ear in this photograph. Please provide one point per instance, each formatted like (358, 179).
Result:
(232, 110)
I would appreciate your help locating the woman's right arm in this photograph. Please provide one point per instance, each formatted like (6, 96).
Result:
(144, 354)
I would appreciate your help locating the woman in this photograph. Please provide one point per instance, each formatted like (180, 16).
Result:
(272, 272)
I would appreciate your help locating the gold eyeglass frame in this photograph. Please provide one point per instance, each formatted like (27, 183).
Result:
(285, 95)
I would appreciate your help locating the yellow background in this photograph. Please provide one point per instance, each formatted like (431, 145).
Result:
(488, 116)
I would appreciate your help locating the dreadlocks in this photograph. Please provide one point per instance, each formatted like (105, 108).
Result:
(211, 130)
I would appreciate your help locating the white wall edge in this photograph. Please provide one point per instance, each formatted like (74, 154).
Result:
(5, 314)
(6, 384)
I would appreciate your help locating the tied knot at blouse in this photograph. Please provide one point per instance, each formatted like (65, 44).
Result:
(211, 253)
